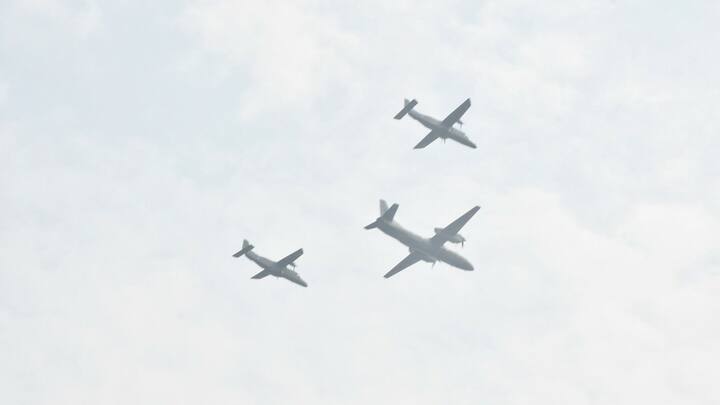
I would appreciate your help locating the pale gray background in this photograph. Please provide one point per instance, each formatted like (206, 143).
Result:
(140, 142)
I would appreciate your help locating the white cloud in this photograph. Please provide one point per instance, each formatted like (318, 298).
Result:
(80, 18)
(3, 93)
(290, 53)
(596, 267)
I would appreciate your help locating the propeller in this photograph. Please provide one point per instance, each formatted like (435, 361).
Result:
(457, 238)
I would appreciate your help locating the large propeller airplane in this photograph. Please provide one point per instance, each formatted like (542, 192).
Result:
(271, 268)
(438, 129)
(426, 249)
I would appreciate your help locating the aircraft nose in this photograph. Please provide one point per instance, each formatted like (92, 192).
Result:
(466, 265)
(467, 142)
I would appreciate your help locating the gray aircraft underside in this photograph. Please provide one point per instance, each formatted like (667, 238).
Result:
(271, 268)
(425, 249)
(438, 129)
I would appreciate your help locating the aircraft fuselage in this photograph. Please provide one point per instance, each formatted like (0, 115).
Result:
(445, 132)
(424, 246)
(276, 270)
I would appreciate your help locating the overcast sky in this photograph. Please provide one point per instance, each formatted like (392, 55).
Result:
(140, 142)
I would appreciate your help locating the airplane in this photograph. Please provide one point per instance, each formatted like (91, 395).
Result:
(426, 249)
(271, 268)
(438, 129)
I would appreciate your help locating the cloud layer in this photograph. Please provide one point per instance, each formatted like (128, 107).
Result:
(142, 143)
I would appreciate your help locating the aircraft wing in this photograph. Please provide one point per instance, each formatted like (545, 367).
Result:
(411, 259)
(455, 116)
(429, 138)
(289, 258)
(454, 227)
(262, 274)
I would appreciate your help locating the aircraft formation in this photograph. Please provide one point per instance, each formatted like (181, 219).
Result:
(429, 250)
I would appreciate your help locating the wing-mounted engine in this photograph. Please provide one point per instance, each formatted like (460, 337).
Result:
(457, 238)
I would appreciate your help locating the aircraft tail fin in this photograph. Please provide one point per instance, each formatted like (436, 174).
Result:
(246, 247)
(386, 214)
(408, 105)
(383, 207)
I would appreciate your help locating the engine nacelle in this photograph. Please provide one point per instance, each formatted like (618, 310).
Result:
(457, 238)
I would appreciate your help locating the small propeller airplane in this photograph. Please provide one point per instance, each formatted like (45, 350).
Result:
(426, 249)
(438, 129)
(271, 268)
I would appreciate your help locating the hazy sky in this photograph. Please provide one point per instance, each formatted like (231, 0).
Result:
(140, 142)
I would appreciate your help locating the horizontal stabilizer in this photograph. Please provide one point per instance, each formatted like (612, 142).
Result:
(390, 213)
(408, 106)
(371, 226)
(386, 214)
(245, 249)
